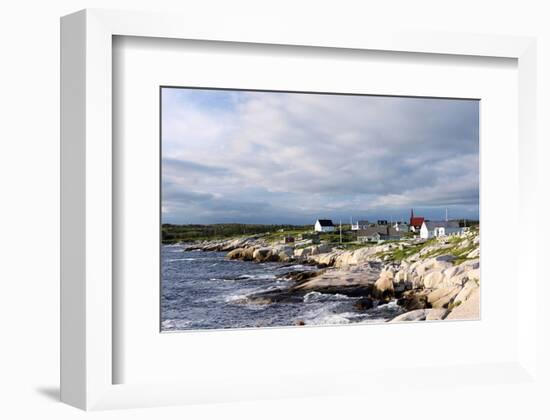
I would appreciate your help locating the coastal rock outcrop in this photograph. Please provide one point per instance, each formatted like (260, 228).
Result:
(468, 309)
(436, 314)
(416, 315)
(383, 288)
(262, 254)
(434, 279)
(441, 298)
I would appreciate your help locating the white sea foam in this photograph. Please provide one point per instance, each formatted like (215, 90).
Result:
(256, 277)
(322, 297)
(182, 259)
(235, 298)
(392, 304)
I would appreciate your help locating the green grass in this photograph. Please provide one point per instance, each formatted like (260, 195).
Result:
(459, 253)
(278, 235)
(352, 246)
(397, 254)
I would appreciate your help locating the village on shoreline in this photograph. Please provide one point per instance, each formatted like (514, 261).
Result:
(430, 268)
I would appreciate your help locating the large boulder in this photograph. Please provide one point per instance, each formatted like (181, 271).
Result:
(441, 298)
(383, 287)
(320, 249)
(436, 314)
(302, 252)
(248, 253)
(231, 244)
(402, 276)
(286, 249)
(470, 264)
(283, 253)
(466, 291)
(433, 279)
(363, 304)
(327, 259)
(469, 309)
(262, 254)
(416, 315)
(453, 271)
(457, 280)
(440, 263)
(413, 301)
(236, 254)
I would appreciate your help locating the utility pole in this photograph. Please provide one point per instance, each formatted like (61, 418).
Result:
(340, 230)
(446, 214)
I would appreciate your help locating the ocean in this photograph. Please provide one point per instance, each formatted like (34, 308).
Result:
(203, 290)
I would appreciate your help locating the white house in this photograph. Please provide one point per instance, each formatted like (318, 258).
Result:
(434, 229)
(324, 225)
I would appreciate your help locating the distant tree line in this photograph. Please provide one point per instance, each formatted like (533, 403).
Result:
(176, 233)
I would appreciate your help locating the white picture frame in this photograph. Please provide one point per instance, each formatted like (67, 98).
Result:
(86, 129)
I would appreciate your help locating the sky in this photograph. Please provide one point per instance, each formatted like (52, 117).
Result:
(290, 158)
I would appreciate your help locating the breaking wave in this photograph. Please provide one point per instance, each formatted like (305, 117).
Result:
(323, 297)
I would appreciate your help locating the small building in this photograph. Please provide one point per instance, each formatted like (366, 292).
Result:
(289, 239)
(395, 234)
(437, 228)
(372, 234)
(324, 225)
(360, 224)
(382, 222)
(415, 222)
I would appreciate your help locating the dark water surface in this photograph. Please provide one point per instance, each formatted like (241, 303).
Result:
(202, 290)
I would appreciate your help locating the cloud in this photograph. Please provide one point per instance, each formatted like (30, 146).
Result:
(268, 157)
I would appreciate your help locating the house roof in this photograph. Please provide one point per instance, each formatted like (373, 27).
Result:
(417, 221)
(372, 230)
(392, 231)
(432, 224)
(363, 222)
(325, 222)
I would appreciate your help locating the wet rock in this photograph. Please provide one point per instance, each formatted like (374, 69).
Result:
(364, 304)
(262, 254)
(413, 301)
(383, 288)
(236, 254)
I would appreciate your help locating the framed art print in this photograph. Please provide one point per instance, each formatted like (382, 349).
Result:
(289, 209)
(255, 217)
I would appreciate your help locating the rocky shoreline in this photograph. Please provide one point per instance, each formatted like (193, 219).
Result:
(432, 280)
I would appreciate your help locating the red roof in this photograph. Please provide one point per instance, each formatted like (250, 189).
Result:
(417, 221)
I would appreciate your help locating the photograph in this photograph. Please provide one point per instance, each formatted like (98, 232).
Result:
(297, 209)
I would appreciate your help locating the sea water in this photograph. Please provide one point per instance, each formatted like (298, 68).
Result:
(204, 290)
